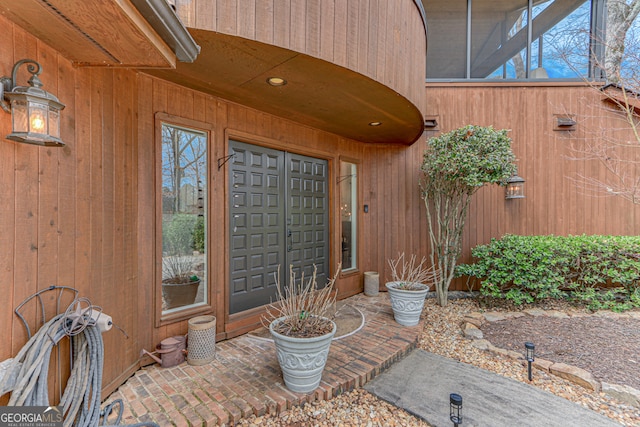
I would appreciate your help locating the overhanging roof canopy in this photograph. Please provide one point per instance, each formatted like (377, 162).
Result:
(318, 93)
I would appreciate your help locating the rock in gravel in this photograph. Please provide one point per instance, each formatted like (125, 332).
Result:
(476, 319)
(623, 393)
(575, 375)
(481, 344)
(494, 316)
(542, 364)
(471, 331)
(535, 311)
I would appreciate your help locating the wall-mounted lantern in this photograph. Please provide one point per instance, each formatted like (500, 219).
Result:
(35, 113)
(515, 188)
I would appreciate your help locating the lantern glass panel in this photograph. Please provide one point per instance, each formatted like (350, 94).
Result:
(54, 122)
(19, 116)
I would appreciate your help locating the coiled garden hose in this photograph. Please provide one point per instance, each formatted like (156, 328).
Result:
(27, 376)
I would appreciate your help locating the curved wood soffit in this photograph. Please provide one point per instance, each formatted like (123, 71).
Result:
(346, 64)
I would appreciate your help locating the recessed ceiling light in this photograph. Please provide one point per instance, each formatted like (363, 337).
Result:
(276, 81)
(375, 123)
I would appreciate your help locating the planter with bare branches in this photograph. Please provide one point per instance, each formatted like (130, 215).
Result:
(179, 284)
(301, 330)
(409, 287)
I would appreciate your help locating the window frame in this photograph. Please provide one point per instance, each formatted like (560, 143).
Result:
(181, 314)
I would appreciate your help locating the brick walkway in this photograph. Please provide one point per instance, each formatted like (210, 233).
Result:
(245, 378)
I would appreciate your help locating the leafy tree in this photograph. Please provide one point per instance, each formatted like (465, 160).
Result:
(454, 167)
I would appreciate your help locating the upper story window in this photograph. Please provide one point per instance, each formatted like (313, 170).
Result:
(514, 39)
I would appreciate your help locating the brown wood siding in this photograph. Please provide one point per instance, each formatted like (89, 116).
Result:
(371, 37)
(69, 214)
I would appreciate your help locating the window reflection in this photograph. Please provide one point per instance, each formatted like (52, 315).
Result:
(517, 39)
(561, 34)
(499, 40)
(184, 206)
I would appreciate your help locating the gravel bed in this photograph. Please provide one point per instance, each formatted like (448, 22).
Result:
(441, 335)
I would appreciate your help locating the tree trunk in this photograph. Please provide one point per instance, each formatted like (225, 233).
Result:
(620, 16)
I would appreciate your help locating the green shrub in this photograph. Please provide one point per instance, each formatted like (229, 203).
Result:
(198, 235)
(601, 271)
(177, 234)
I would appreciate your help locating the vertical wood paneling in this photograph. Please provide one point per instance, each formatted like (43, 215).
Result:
(7, 209)
(327, 29)
(313, 33)
(227, 17)
(264, 21)
(340, 32)
(82, 264)
(25, 277)
(205, 18)
(353, 9)
(247, 19)
(282, 23)
(298, 25)
(364, 27)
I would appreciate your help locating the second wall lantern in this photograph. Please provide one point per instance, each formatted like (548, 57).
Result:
(515, 188)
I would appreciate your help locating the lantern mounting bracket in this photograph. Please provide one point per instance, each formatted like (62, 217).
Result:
(5, 86)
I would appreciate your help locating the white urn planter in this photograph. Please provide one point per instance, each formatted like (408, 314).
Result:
(302, 360)
(407, 304)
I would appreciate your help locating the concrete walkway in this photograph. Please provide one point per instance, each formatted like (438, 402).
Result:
(422, 382)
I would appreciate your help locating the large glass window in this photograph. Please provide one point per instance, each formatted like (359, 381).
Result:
(348, 213)
(515, 39)
(184, 217)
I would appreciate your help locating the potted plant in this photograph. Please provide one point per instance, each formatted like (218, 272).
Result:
(301, 330)
(408, 288)
(179, 283)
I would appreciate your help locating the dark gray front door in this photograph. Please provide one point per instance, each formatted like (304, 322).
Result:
(279, 216)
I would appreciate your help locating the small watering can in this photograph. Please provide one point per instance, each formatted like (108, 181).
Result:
(171, 350)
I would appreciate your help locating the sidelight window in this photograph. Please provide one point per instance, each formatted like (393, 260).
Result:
(348, 214)
(184, 201)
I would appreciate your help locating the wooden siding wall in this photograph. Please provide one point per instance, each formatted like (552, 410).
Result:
(554, 203)
(370, 37)
(68, 215)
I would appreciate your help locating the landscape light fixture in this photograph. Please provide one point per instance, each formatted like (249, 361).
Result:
(35, 113)
(515, 188)
(531, 349)
(455, 407)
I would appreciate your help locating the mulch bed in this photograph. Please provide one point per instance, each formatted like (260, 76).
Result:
(607, 347)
